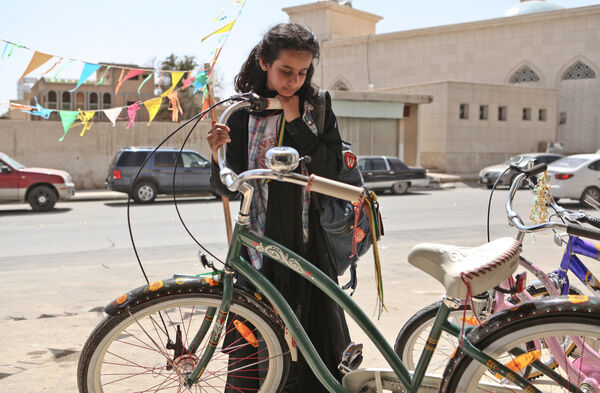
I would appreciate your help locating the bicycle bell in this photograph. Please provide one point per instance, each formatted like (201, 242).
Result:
(282, 159)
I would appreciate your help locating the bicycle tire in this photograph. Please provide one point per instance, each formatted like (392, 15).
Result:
(127, 351)
(517, 328)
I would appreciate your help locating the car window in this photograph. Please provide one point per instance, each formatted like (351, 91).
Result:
(569, 162)
(12, 162)
(362, 164)
(548, 159)
(513, 160)
(131, 158)
(378, 164)
(396, 164)
(193, 160)
(166, 159)
(595, 166)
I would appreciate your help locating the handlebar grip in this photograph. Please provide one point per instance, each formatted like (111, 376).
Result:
(592, 220)
(335, 189)
(537, 169)
(260, 104)
(578, 230)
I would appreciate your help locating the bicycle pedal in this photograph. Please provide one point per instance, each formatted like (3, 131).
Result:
(351, 358)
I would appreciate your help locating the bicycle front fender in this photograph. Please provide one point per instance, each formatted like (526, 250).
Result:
(187, 284)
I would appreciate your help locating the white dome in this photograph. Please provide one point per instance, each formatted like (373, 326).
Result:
(532, 7)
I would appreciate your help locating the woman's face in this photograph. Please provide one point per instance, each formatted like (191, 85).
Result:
(288, 72)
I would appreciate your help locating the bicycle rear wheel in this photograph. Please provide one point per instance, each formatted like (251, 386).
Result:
(128, 352)
(518, 341)
(411, 340)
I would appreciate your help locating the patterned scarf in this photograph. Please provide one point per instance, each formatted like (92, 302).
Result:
(262, 133)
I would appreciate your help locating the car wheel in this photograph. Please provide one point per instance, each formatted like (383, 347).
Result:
(400, 188)
(42, 198)
(144, 192)
(592, 192)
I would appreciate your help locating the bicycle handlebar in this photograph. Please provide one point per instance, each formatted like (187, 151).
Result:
(572, 229)
(234, 182)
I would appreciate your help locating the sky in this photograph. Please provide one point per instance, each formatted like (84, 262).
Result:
(145, 33)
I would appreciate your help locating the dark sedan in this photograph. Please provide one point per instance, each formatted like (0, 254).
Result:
(390, 173)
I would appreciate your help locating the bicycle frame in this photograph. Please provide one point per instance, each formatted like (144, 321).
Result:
(243, 236)
(570, 261)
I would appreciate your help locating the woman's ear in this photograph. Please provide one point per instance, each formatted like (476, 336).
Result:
(262, 64)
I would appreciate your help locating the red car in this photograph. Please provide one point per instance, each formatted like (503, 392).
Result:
(40, 187)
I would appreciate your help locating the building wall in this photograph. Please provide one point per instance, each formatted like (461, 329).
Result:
(86, 158)
(457, 145)
(489, 52)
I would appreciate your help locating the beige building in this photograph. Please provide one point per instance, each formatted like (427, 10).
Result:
(499, 86)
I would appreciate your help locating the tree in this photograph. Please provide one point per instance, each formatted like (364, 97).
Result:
(190, 104)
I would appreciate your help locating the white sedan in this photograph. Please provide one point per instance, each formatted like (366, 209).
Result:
(576, 177)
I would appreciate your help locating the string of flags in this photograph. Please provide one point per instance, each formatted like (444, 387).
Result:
(198, 79)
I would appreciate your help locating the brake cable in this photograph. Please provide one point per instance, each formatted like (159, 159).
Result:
(197, 118)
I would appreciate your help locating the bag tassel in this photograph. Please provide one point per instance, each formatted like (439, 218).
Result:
(380, 305)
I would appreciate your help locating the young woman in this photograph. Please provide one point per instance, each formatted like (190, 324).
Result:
(281, 66)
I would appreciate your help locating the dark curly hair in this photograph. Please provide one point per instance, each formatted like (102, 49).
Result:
(282, 36)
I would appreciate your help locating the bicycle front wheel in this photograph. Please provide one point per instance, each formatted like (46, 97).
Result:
(147, 349)
(522, 345)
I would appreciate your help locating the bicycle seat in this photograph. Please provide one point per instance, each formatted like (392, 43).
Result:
(481, 267)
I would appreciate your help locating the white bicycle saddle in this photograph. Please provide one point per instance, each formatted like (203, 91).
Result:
(482, 267)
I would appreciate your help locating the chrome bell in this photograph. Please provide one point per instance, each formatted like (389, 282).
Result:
(282, 159)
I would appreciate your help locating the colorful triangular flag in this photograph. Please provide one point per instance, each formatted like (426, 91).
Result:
(67, 118)
(113, 114)
(36, 61)
(86, 72)
(153, 106)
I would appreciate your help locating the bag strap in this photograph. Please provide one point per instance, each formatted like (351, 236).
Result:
(320, 109)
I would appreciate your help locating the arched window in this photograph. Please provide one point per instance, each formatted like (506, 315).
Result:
(339, 85)
(79, 101)
(52, 100)
(66, 100)
(524, 75)
(93, 101)
(106, 101)
(579, 70)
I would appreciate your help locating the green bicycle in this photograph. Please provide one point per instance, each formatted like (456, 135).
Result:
(170, 335)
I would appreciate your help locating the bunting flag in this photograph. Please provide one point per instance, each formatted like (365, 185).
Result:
(131, 111)
(61, 68)
(39, 110)
(186, 82)
(67, 118)
(51, 68)
(113, 114)
(205, 106)
(175, 78)
(86, 72)
(174, 106)
(102, 77)
(20, 107)
(36, 61)
(200, 81)
(223, 29)
(130, 74)
(153, 106)
(86, 120)
(144, 82)
(197, 78)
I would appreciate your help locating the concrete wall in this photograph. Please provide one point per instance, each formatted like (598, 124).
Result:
(456, 145)
(86, 158)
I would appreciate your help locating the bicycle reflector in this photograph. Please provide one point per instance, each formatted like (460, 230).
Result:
(563, 176)
(521, 361)
(246, 333)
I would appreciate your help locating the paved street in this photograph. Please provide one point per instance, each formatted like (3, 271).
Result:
(59, 269)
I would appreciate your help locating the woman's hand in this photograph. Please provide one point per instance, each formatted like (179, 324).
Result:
(291, 107)
(217, 136)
